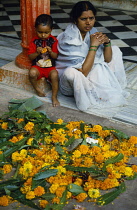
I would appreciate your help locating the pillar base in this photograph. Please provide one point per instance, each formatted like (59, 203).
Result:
(23, 61)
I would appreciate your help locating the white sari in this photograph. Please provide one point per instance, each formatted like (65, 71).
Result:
(105, 83)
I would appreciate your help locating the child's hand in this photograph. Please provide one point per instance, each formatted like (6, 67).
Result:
(49, 49)
(39, 50)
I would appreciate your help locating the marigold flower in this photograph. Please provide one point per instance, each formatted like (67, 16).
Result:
(39, 191)
(29, 142)
(53, 188)
(56, 200)
(133, 140)
(134, 168)
(4, 200)
(29, 126)
(93, 193)
(20, 120)
(7, 168)
(60, 191)
(81, 197)
(76, 154)
(43, 203)
(83, 149)
(30, 195)
(59, 121)
(61, 169)
(4, 125)
(14, 139)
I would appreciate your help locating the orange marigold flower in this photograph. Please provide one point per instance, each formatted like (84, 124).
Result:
(81, 197)
(43, 203)
(20, 120)
(14, 139)
(99, 158)
(29, 126)
(56, 200)
(83, 149)
(4, 125)
(4, 200)
(7, 168)
(39, 191)
(60, 191)
(134, 168)
(133, 140)
(30, 195)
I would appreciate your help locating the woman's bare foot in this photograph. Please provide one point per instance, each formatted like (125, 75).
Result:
(55, 102)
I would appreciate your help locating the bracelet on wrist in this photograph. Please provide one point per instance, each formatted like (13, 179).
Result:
(107, 45)
(107, 42)
(92, 49)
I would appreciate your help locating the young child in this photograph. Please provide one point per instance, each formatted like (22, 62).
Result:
(43, 52)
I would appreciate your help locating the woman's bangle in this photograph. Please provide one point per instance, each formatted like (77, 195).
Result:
(92, 49)
(107, 45)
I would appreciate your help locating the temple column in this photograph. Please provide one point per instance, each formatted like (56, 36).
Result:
(29, 10)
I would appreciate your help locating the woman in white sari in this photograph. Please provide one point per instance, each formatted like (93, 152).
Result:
(89, 67)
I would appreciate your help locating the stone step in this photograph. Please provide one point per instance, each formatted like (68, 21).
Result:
(14, 76)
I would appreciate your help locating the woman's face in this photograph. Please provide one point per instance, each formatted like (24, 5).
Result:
(85, 22)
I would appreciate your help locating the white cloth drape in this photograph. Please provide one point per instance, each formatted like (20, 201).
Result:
(105, 83)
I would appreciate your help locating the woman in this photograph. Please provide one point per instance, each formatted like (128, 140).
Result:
(89, 68)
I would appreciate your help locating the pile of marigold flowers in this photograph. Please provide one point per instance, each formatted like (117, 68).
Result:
(54, 162)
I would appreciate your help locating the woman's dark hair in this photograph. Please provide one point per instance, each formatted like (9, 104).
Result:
(80, 7)
(44, 20)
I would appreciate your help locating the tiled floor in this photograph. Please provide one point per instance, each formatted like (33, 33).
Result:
(120, 26)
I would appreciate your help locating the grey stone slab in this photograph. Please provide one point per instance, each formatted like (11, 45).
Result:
(8, 54)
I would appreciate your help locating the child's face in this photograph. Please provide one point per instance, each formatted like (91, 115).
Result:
(43, 32)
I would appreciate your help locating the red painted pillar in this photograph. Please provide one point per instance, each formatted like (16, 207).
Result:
(29, 10)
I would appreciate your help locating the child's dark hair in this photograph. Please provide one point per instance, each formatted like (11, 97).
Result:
(80, 7)
(44, 20)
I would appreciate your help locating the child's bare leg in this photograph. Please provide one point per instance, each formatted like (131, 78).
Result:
(33, 75)
(53, 76)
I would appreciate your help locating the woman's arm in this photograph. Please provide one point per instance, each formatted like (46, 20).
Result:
(107, 51)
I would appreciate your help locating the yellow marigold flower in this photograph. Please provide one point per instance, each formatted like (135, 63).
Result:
(25, 189)
(43, 203)
(4, 201)
(93, 193)
(134, 168)
(56, 200)
(30, 195)
(23, 153)
(7, 168)
(60, 191)
(1, 152)
(76, 154)
(47, 139)
(97, 128)
(133, 140)
(29, 126)
(61, 169)
(59, 121)
(69, 194)
(83, 149)
(20, 120)
(16, 156)
(81, 197)
(29, 142)
(4, 125)
(96, 150)
(39, 191)
(128, 171)
(53, 188)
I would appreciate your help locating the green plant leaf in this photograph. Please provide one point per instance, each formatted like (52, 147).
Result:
(5, 134)
(45, 174)
(21, 198)
(74, 144)
(109, 197)
(120, 135)
(115, 159)
(75, 189)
